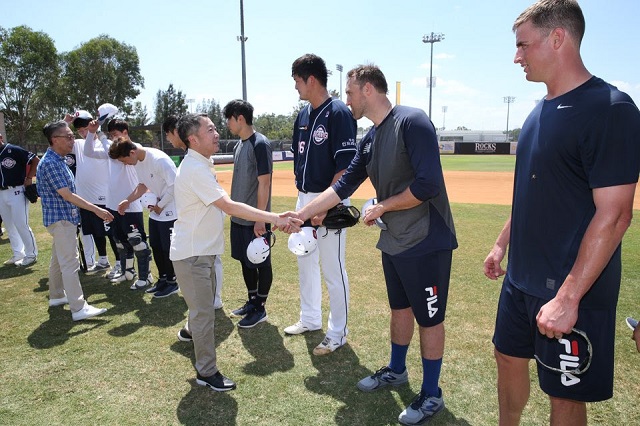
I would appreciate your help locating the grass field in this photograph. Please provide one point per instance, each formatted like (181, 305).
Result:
(127, 367)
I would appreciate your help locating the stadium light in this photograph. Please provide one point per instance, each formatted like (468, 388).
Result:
(339, 68)
(242, 39)
(431, 38)
(508, 100)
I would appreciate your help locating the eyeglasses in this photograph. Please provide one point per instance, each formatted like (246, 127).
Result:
(582, 367)
(67, 137)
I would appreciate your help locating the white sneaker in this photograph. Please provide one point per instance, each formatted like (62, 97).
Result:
(632, 323)
(140, 284)
(97, 267)
(115, 272)
(87, 312)
(326, 346)
(26, 261)
(298, 328)
(12, 261)
(58, 302)
(127, 276)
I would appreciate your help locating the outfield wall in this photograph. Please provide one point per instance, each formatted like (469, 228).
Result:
(478, 148)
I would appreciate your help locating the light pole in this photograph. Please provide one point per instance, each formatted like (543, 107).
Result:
(431, 38)
(444, 114)
(190, 102)
(339, 68)
(508, 100)
(242, 39)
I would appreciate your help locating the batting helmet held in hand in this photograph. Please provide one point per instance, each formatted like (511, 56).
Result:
(370, 202)
(259, 248)
(304, 242)
(106, 111)
(148, 199)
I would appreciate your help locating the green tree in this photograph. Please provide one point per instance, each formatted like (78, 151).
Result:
(212, 108)
(29, 67)
(169, 102)
(139, 118)
(102, 70)
(462, 128)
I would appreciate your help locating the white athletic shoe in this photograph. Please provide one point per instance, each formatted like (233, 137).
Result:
(326, 346)
(140, 284)
(298, 328)
(87, 312)
(26, 261)
(12, 261)
(115, 272)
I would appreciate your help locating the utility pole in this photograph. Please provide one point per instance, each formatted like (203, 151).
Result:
(508, 100)
(444, 114)
(431, 38)
(339, 68)
(242, 39)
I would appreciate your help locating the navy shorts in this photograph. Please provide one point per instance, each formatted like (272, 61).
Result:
(160, 234)
(421, 283)
(516, 334)
(92, 224)
(241, 236)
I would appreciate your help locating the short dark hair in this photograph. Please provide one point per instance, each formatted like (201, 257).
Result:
(310, 65)
(118, 124)
(549, 14)
(239, 107)
(370, 73)
(79, 123)
(189, 124)
(50, 128)
(121, 147)
(170, 123)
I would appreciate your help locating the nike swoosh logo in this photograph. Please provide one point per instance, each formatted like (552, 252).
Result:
(564, 106)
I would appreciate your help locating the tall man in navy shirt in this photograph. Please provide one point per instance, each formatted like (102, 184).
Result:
(324, 142)
(400, 155)
(577, 166)
(14, 207)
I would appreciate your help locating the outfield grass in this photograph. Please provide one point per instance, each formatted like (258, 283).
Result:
(126, 367)
(474, 163)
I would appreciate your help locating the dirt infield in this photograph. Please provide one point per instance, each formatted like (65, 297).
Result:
(463, 187)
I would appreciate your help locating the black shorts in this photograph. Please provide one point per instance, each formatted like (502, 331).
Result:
(92, 224)
(241, 236)
(122, 225)
(516, 334)
(420, 282)
(160, 234)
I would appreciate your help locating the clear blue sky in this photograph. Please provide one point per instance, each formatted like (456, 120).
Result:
(193, 44)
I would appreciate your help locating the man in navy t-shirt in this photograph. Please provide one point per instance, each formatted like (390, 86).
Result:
(577, 167)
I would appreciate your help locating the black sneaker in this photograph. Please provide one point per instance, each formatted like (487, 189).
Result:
(217, 382)
(244, 310)
(253, 318)
(184, 335)
(159, 285)
(168, 290)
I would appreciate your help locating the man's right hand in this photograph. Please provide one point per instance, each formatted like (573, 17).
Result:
(492, 268)
(93, 126)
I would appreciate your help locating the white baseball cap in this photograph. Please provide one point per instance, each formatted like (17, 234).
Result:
(148, 199)
(258, 249)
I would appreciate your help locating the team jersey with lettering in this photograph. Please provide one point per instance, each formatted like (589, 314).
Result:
(324, 142)
(568, 146)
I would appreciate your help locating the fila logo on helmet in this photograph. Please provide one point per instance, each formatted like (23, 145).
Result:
(320, 135)
(432, 299)
(568, 361)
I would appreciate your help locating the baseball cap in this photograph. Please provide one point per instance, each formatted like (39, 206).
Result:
(81, 118)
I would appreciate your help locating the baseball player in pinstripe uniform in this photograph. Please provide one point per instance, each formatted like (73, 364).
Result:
(324, 142)
(14, 207)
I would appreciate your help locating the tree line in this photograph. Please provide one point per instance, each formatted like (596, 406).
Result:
(40, 84)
